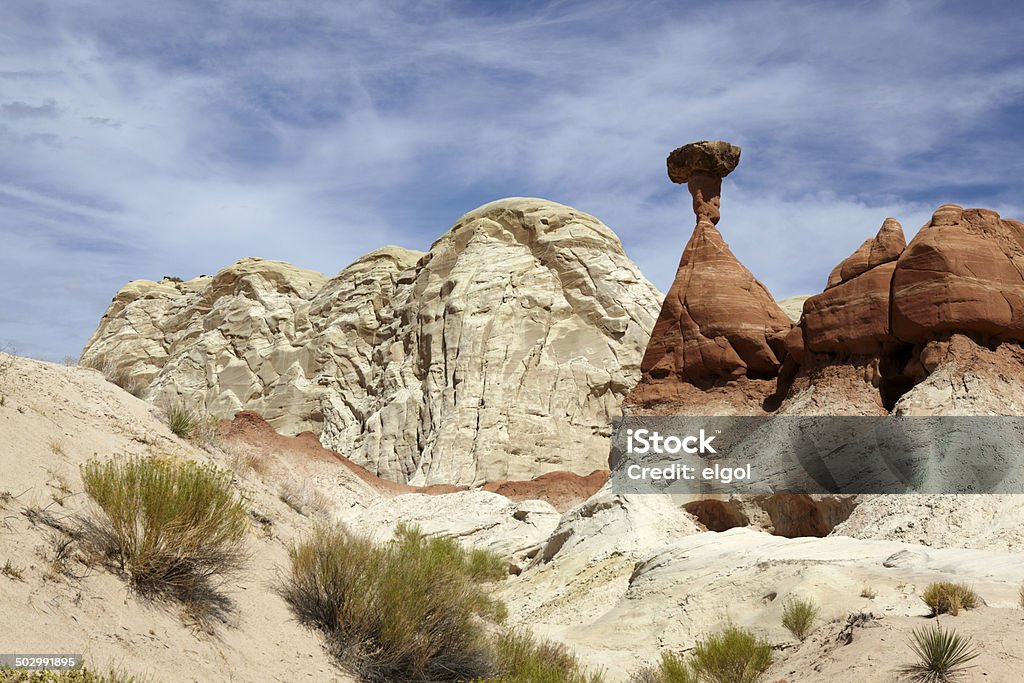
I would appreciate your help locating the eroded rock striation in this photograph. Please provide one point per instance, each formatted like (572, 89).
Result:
(718, 322)
(500, 354)
(722, 345)
(852, 314)
(963, 272)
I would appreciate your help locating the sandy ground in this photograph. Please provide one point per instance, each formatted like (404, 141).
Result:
(880, 648)
(55, 418)
(619, 580)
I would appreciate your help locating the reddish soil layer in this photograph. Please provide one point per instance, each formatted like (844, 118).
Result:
(561, 489)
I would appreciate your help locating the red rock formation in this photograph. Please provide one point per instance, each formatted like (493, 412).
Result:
(852, 314)
(717, 318)
(702, 165)
(717, 322)
(963, 272)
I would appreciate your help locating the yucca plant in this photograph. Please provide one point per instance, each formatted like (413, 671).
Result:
(182, 421)
(942, 655)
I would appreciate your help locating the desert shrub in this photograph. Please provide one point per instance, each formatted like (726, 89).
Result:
(733, 655)
(942, 655)
(182, 421)
(943, 597)
(1020, 596)
(867, 591)
(671, 669)
(798, 616)
(521, 658)
(646, 674)
(83, 675)
(413, 609)
(173, 526)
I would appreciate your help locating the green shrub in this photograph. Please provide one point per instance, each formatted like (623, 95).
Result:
(674, 669)
(734, 655)
(942, 655)
(182, 421)
(520, 658)
(943, 597)
(799, 615)
(671, 669)
(413, 609)
(172, 526)
(83, 675)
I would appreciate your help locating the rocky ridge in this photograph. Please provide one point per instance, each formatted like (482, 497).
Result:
(500, 354)
(895, 323)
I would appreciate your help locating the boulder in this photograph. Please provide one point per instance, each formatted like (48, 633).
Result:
(702, 165)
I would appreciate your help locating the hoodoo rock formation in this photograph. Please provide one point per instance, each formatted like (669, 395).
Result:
(860, 345)
(718, 322)
(500, 354)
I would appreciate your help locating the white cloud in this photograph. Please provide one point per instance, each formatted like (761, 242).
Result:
(178, 138)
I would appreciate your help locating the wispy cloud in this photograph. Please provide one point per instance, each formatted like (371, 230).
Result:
(175, 138)
(26, 110)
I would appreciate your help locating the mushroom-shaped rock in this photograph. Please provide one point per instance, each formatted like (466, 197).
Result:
(702, 165)
(705, 158)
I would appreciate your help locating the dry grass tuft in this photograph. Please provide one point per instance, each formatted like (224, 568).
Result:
(944, 596)
(84, 675)
(12, 572)
(304, 498)
(115, 375)
(173, 527)
(798, 616)
(244, 459)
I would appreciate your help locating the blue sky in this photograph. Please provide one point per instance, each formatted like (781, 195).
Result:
(150, 139)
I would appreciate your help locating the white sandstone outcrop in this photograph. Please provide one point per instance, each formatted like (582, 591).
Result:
(501, 353)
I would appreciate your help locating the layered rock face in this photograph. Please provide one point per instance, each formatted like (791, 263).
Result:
(963, 272)
(852, 314)
(723, 346)
(500, 354)
(718, 322)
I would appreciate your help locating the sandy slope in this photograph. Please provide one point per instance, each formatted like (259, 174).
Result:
(53, 419)
(616, 578)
